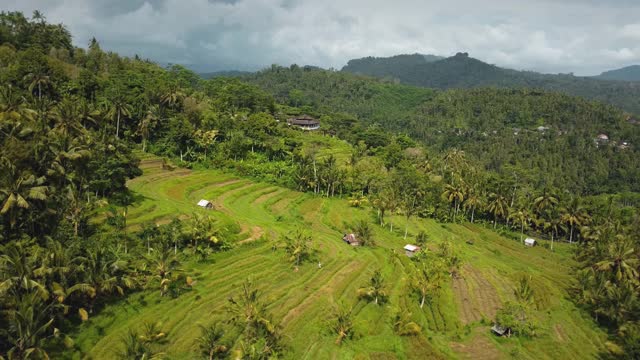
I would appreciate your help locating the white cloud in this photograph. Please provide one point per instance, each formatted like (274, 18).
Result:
(581, 36)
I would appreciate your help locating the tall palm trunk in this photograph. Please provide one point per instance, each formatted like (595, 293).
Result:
(473, 210)
(118, 124)
(571, 234)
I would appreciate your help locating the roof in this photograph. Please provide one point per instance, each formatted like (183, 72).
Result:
(204, 203)
(302, 120)
(349, 237)
(498, 329)
(530, 241)
(410, 247)
(603, 137)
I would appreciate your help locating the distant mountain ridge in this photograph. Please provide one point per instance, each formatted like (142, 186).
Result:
(463, 71)
(629, 73)
(225, 73)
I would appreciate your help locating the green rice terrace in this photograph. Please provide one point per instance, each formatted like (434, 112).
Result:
(456, 324)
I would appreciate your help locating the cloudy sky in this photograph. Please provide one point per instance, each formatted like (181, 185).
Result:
(580, 36)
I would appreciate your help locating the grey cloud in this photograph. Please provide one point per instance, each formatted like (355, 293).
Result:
(581, 36)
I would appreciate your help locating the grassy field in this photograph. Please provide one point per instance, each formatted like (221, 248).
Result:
(457, 326)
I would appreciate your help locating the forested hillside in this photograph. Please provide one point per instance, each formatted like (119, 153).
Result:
(547, 138)
(629, 73)
(462, 71)
(103, 255)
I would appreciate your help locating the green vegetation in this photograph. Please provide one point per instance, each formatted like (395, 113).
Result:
(105, 252)
(629, 73)
(462, 71)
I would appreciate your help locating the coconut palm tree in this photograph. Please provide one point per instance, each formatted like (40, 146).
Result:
(521, 217)
(621, 259)
(573, 215)
(428, 279)
(364, 232)
(298, 246)
(20, 192)
(172, 97)
(454, 196)
(553, 225)
(164, 264)
(248, 312)
(473, 202)
(342, 323)
(498, 206)
(147, 124)
(209, 342)
(37, 80)
(28, 324)
(545, 203)
(375, 288)
(119, 108)
(67, 118)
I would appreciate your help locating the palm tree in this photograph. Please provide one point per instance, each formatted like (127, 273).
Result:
(164, 263)
(298, 246)
(375, 289)
(498, 206)
(18, 272)
(209, 342)
(249, 312)
(428, 280)
(19, 192)
(342, 323)
(147, 124)
(364, 232)
(67, 117)
(621, 259)
(27, 326)
(454, 196)
(473, 202)
(521, 217)
(553, 225)
(545, 203)
(172, 97)
(573, 215)
(117, 109)
(105, 272)
(37, 79)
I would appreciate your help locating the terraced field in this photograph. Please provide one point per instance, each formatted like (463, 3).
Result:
(457, 326)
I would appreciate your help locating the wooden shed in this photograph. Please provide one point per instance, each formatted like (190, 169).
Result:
(351, 239)
(205, 204)
(411, 250)
(530, 242)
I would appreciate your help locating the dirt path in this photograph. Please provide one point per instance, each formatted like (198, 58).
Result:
(256, 233)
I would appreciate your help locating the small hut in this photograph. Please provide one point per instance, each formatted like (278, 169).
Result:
(500, 330)
(205, 204)
(351, 239)
(411, 250)
(530, 242)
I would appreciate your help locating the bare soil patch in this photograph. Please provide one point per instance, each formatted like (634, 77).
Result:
(475, 296)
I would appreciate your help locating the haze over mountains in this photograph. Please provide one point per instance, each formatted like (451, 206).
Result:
(463, 71)
(620, 87)
(629, 73)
